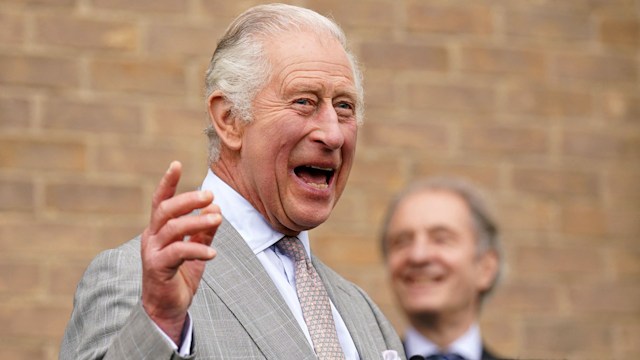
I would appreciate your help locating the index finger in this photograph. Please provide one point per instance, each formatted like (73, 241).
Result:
(168, 184)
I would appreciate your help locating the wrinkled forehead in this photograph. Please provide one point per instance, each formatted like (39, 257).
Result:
(290, 48)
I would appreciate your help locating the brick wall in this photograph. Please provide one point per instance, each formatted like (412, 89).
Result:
(537, 101)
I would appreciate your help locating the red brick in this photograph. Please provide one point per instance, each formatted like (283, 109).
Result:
(355, 250)
(560, 337)
(19, 320)
(486, 175)
(14, 113)
(144, 159)
(93, 198)
(500, 61)
(622, 187)
(548, 23)
(449, 19)
(623, 222)
(179, 121)
(601, 145)
(626, 263)
(152, 76)
(364, 13)
(455, 98)
(15, 349)
(344, 216)
(384, 172)
(165, 6)
(73, 240)
(606, 297)
(526, 214)
(621, 107)
(556, 182)
(627, 338)
(225, 11)
(63, 278)
(18, 278)
(12, 29)
(93, 117)
(36, 154)
(505, 140)
(113, 235)
(556, 263)
(548, 102)
(530, 297)
(38, 70)
(86, 33)
(609, 69)
(409, 136)
(620, 32)
(43, 3)
(16, 195)
(381, 91)
(500, 335)
(586, 219)
(399, 56)
(172, 40)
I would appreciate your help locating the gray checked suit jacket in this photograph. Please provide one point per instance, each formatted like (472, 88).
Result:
(237, 312)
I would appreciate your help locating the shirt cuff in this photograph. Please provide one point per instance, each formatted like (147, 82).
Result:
(186, 336)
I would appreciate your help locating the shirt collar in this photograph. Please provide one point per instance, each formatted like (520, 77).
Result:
(469, 345)
(249, 223)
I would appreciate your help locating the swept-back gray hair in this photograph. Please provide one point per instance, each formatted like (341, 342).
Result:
(484, 225)
(240, 67)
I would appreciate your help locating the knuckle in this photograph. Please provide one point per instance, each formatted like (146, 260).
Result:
(172, 227)
(162, 210)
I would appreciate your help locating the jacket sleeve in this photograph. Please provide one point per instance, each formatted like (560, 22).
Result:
(108, 321)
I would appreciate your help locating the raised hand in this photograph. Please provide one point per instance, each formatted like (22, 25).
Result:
(172, 266)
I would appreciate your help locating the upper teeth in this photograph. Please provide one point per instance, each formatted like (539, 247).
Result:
(321, 168)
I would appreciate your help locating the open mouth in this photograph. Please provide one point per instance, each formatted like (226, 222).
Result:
(315, 176)
(426, 276)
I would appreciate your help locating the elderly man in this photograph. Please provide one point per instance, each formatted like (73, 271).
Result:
(441, 250)
(284, 101)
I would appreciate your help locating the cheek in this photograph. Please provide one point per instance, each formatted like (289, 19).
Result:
(395, 264)
(350, 134)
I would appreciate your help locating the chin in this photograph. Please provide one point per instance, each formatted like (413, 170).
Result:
(310, 223)
(311, 215)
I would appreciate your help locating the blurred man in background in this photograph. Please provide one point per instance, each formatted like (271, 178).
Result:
(441, 249)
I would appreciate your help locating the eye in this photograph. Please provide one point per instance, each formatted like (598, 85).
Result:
(443, 236)
(344, 108)
(302, 102)
(304, 105)
(399, 241)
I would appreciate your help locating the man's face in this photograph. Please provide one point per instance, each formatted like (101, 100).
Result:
(432, 257)
(297, 152)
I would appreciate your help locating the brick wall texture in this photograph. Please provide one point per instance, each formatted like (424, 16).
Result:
(537, 101)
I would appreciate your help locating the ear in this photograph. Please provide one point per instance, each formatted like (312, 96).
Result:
(228, 127)
(487, 269)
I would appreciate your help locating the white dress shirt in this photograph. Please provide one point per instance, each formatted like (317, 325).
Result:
(261, 238)
(468, 345)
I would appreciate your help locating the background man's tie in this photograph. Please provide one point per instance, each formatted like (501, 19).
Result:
(314, 301)
(444, 357)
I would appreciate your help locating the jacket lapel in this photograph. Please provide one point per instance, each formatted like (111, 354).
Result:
(351, 310)
(240, 281)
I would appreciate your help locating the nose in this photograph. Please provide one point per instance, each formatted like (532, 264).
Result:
(421, 251)
(328, 130)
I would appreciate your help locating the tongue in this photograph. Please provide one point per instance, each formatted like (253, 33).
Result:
(312, 176)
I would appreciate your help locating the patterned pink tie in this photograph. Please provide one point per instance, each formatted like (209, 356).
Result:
(314, 301)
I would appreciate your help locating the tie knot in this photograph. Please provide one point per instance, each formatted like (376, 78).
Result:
(292, 247)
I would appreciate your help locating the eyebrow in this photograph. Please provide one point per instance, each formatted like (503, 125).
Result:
(300, 86)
